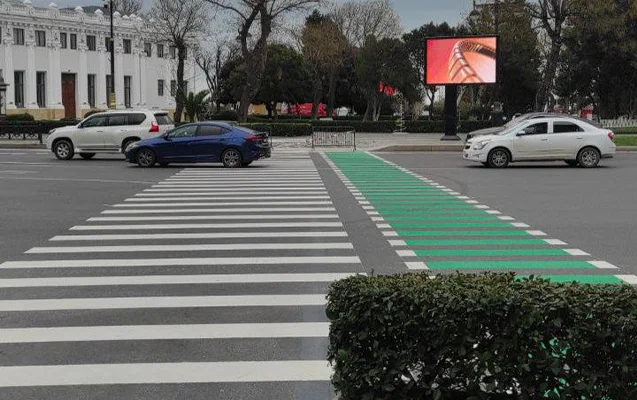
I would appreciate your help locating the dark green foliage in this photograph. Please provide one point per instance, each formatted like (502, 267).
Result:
(228, 115)
(287, 129)
(481, 337)
(19, 117)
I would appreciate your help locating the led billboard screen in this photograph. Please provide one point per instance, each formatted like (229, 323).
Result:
(461, 60)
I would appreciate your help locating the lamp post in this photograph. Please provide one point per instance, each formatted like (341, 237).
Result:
(111, 95)
(3, 97)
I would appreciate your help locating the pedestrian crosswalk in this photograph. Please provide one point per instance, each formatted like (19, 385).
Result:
(213, 277)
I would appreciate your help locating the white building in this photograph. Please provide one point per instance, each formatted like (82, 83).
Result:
(57, 64)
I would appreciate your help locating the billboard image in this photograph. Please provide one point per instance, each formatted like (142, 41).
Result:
(461, 60)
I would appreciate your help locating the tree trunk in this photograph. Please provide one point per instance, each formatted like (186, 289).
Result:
(218, 107)
(368, 110)
(268, 106)
(317, 92)
(179, 96)
(332, 92)
(546, 85)
(275, 113)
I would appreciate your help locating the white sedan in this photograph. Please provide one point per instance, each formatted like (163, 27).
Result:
(543, 139)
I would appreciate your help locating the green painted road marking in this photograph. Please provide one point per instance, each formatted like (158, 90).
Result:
(501, 265)
(449, 218)
(490, 252)
(478, 242)
(590, 279)
(463, 233)
(418, 224)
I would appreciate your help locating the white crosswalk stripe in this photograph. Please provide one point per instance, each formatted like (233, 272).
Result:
(212, 276)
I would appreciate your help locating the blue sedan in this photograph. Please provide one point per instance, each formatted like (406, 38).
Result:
(207, 142)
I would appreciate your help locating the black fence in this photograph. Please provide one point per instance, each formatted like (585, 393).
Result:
(334, 136)
(29, 130)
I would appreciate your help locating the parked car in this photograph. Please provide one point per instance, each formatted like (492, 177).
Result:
(107, 132)
(208, 142)
(543, 139)
(516, 120)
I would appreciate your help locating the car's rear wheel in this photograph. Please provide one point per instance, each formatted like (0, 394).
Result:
(499, 158)
(127, 142)
(588, 157)
(146, 158)
(63, 149)
(571, 163)
(87, 156)
(231, 158)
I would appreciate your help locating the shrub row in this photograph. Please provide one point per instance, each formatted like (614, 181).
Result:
(286, 130)
(41, 126)
(481, 337)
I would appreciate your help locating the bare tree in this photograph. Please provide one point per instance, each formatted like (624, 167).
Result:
(211, 61)
(179, 22)
(552, 16)
(127, 7)
(256, 19)
(359, 19)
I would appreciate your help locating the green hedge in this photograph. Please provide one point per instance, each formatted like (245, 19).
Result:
(19, 117)
(481, 337)
(40, 126)
(624, 131)
(286, 129)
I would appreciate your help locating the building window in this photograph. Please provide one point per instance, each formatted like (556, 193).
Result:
(73, 41)
(127, 46)
(148, 49)
(18, 80)
(18, 36)
(91, 43)
(63, 39)
(173, 88)
(109, 87)
(41, 88)
(127, 83)
(160, 51)
(160, 87)
(173, 52)
(91, 90)
(108, 44)
(40, 38)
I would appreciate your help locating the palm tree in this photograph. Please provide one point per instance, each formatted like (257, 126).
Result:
(195, 104)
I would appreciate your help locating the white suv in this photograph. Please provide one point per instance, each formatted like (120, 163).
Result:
(107, 132)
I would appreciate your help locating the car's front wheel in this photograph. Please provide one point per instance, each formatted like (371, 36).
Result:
(589, 157)
(63, 149)
(232, 158)
(146, 158)
(499, 158)
(87, 156)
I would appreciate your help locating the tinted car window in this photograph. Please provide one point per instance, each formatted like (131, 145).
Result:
(210, 130)
(163, 119)
(117, 120)
(566, 127)
(537, 129)
(136, 119)
(186, 131)
(95, 121)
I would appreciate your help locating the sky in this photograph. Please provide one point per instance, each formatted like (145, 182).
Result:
(413, 13)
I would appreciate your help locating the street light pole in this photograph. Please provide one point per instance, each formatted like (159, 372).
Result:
(111, 93)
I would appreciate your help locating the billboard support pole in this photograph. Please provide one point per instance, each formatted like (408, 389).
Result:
(451, 113)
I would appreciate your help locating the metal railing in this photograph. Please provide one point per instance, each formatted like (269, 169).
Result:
(17, 132)
(619, 123)
(334, 136)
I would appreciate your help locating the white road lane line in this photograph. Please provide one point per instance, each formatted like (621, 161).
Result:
(555, 242)
(235, 191)
(221, 210)
(229, 194)
(203, 204)
(164, 332)
(118, 303)
(182, 372)
(164, 262)
(536, 233)
(576, 252)
(208, 226)
(215, 217)
(630, 279)
(241, 186)
(172, 279)
(179, 236)
(190, 247)
(602, 265)
(255, 199)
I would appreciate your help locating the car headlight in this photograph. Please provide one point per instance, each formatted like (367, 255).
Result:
(481, 145)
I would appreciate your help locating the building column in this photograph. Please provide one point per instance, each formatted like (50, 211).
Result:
(137, 74)
(7, 73)
(82, 82)
(101, 101)
(119, 73)
(30, 81)
(54, 75)
(143, 96)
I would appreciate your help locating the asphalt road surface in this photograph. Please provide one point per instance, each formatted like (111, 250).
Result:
(205, 283)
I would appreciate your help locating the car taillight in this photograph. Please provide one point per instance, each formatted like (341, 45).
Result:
(154, 127)
(611, 135)
(254, 138)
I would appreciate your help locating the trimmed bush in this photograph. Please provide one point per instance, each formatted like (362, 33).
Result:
(19, 117)
(481, 337)
(228, 115)
(286, 129)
